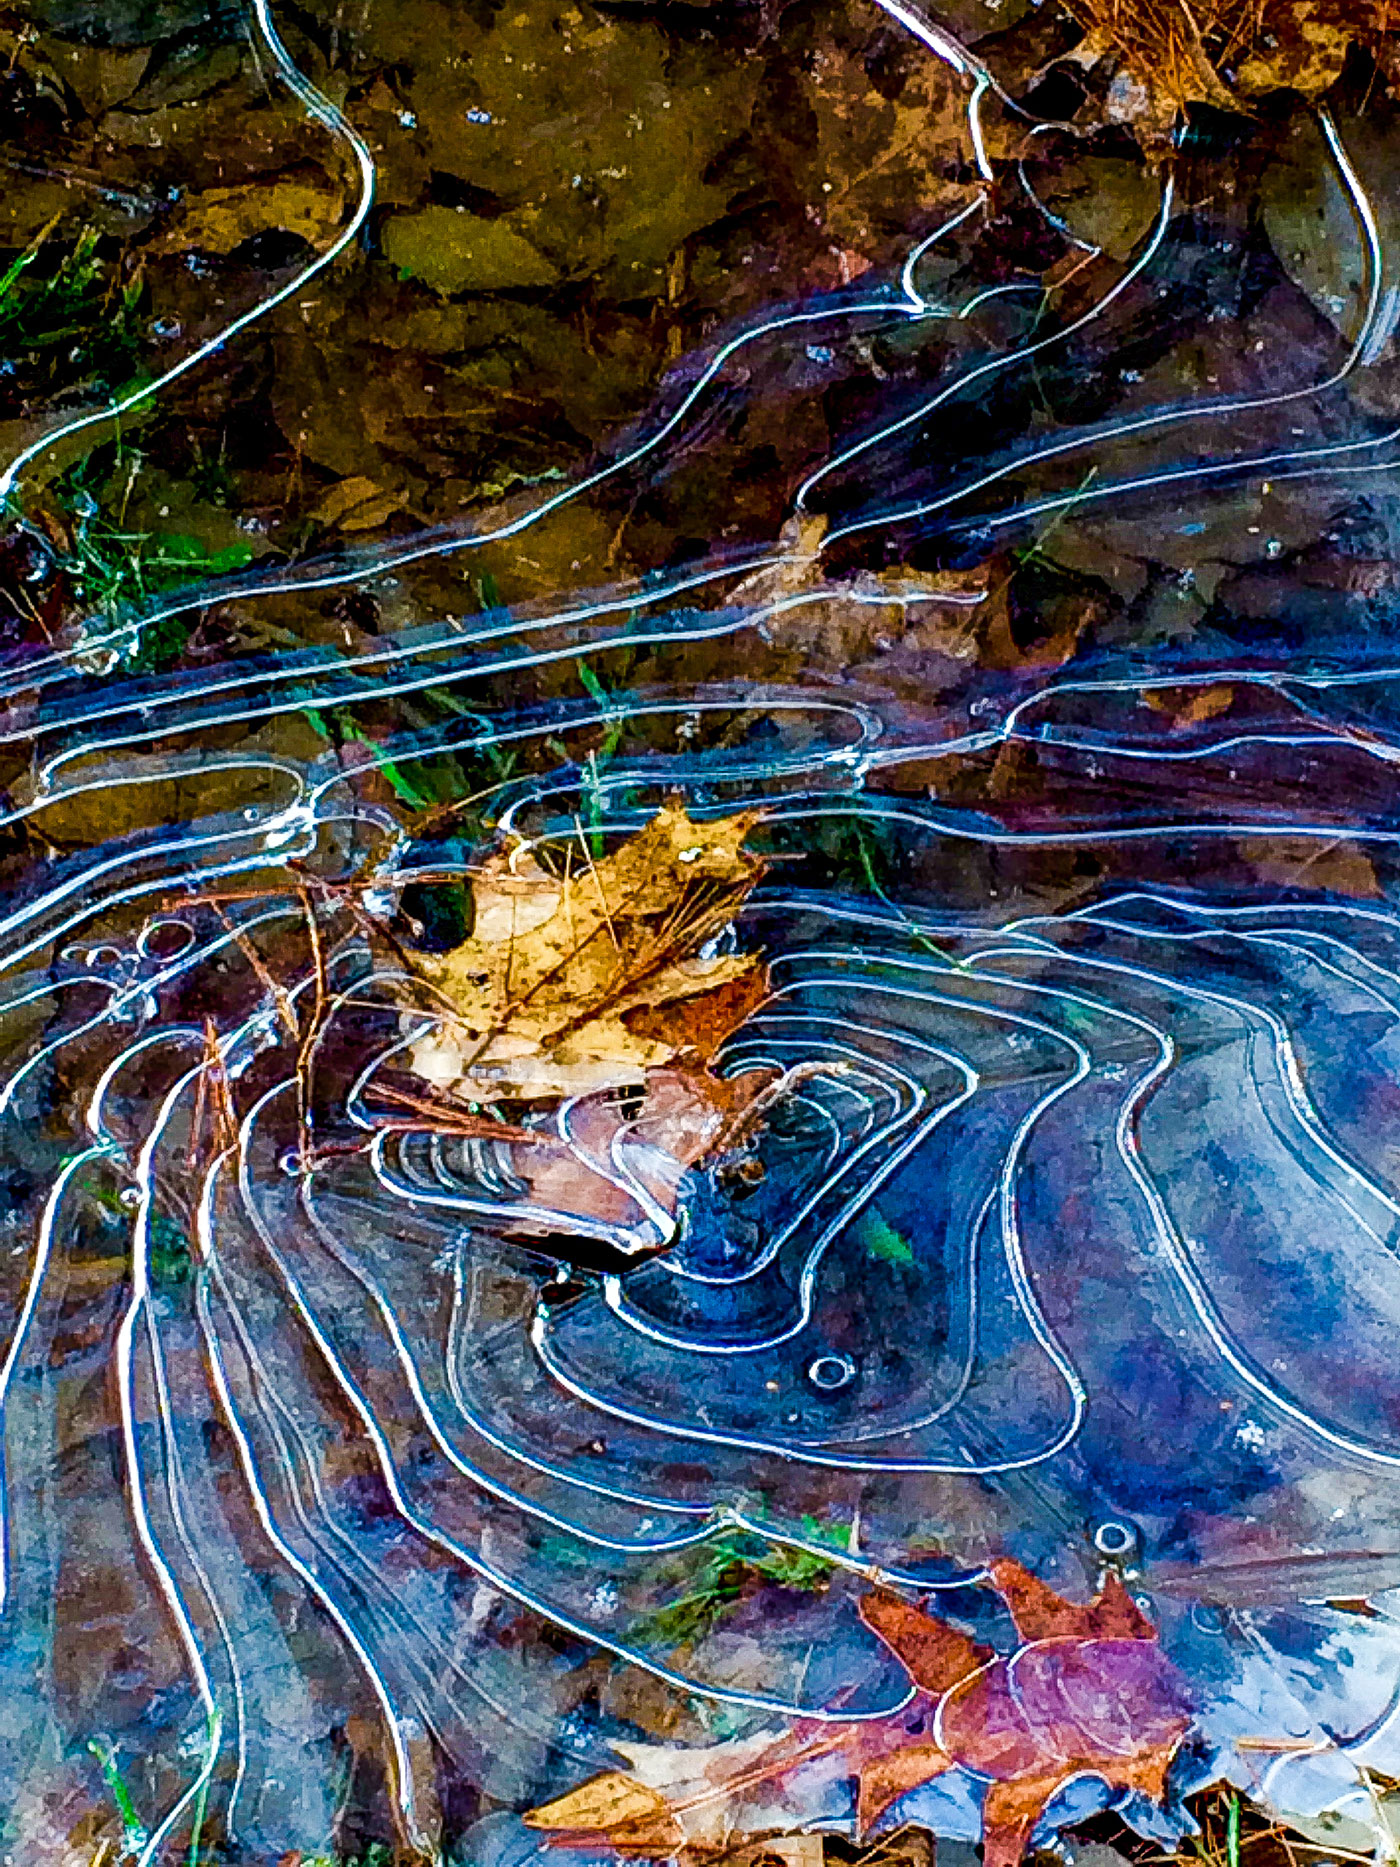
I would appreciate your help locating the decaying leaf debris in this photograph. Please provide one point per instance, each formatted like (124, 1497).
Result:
(1227, 52)
(584, 973)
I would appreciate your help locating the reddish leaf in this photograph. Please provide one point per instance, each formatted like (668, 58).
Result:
(935, 1655)
(983, 1726)
(1099, 1702)
(890, 1777)
(1108, 1704)
(1013, 1807)
(1090, 1692)
(1011, 1811)
(1041, 1614)
(1099, 1699)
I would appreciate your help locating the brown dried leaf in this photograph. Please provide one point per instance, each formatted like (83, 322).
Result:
(801, 1850)
(883, 1782)
(1092, 1692)
(1011, 1811)
(935, 1655)
(1190, 706)
(357, 505)
(1041, 1614)
(698, 1025)
(654, 1837)
(222, 218)
(604, 1803)
(845, 625)
(688, 1112)
(1225, 52)
(1341, 867)
(101, 76)
(1306, 47)
(540, 993)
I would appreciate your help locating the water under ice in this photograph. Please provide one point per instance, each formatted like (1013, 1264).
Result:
(1075, 1238)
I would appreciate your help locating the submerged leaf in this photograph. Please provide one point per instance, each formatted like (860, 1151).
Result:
(1089, 1693)
(697, 1026)
(1041, 1614)
(222, 218)
(357, 504)
(455, 252)
(1011, 1811)
(883, 1782)
(873, 1230)
(1221, 52)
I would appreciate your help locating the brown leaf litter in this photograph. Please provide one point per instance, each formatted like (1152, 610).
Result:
(585, 974)
(1226, 52)
(596, 979)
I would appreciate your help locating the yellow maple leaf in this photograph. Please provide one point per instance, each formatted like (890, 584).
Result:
(535, 1001)
(604, 1803)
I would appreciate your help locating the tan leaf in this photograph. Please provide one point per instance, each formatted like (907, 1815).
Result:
(844, 624)
(220, 219)
(357, 504)
(537, 999)
(1190, 706)
(605, 1802)
(1341, 867)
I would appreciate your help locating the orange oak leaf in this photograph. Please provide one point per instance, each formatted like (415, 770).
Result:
(935, 1655)
(1088, 1692)
(888, 1778)
(1011, 1812)
(1012, 1809)
(1041, 1614)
